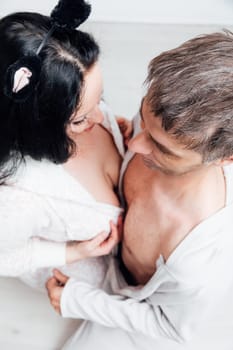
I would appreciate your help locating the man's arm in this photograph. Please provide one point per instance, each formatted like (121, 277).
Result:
(81, 300)
(175, 317)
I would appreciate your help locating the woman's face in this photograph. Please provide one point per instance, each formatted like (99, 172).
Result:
(89, 114)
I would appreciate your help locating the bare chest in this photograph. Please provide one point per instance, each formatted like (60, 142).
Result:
(152, 226)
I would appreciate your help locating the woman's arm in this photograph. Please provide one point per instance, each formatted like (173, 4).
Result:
(100, 245)
(23, 220)
(18, 257)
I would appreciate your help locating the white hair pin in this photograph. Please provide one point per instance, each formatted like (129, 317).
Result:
(21, 79)
(23, 75)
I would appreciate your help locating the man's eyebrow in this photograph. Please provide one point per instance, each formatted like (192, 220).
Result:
(161, 147)
(164, 149)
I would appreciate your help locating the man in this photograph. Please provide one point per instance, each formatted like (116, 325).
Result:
(170, 287)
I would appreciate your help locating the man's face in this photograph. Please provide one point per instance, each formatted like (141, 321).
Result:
(160, 150)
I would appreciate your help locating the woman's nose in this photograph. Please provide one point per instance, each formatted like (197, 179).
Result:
(96, 116)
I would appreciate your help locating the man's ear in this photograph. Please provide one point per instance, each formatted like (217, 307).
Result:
(225, 161)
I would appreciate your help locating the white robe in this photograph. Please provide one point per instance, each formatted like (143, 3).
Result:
(187, 304)
(41, 208)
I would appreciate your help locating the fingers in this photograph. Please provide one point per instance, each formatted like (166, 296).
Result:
(120, 120)
(119, 221)
(100, 238)
(60, 277)
(55, 304)
(54, 293)
(128, 132)
(120, 226)
(124, 125)
(115, 233)
(102, 244)
(51, 283)
(111, 241)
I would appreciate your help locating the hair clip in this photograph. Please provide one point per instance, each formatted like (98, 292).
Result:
(21, 79)
(69, 14)
(22, 76)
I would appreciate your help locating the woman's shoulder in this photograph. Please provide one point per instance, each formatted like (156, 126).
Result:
(16, 203)
(35, 179)
(33, 172)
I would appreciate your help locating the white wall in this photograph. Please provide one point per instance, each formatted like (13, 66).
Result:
(165, 11)
(146, 11)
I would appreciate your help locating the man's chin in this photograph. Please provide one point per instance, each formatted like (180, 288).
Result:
(152, 166)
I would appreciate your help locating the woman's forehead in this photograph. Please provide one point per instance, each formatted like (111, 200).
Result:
(92, 90)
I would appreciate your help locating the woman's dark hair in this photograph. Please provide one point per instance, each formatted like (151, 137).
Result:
(37, 127)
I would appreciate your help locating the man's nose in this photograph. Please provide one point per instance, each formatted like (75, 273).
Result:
(140, 144)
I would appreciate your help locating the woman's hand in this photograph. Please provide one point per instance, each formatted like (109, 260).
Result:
(55, 286)
(100, 245)
(126, 128)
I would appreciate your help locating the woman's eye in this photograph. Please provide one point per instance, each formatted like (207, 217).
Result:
(79, 122)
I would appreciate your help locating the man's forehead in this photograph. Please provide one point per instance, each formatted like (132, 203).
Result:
(145, 107)
(154, 123)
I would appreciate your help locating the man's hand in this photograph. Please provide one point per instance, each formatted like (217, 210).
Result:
(126, 128)
(55, 286)
(100, 245)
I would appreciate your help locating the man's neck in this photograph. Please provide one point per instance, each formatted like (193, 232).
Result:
(194, 184)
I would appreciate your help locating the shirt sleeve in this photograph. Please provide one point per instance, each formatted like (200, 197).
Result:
(174, 309)
(81, 300)
(23, 219)
(28, 256)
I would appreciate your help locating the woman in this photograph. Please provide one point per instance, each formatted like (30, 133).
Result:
(59, 162)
